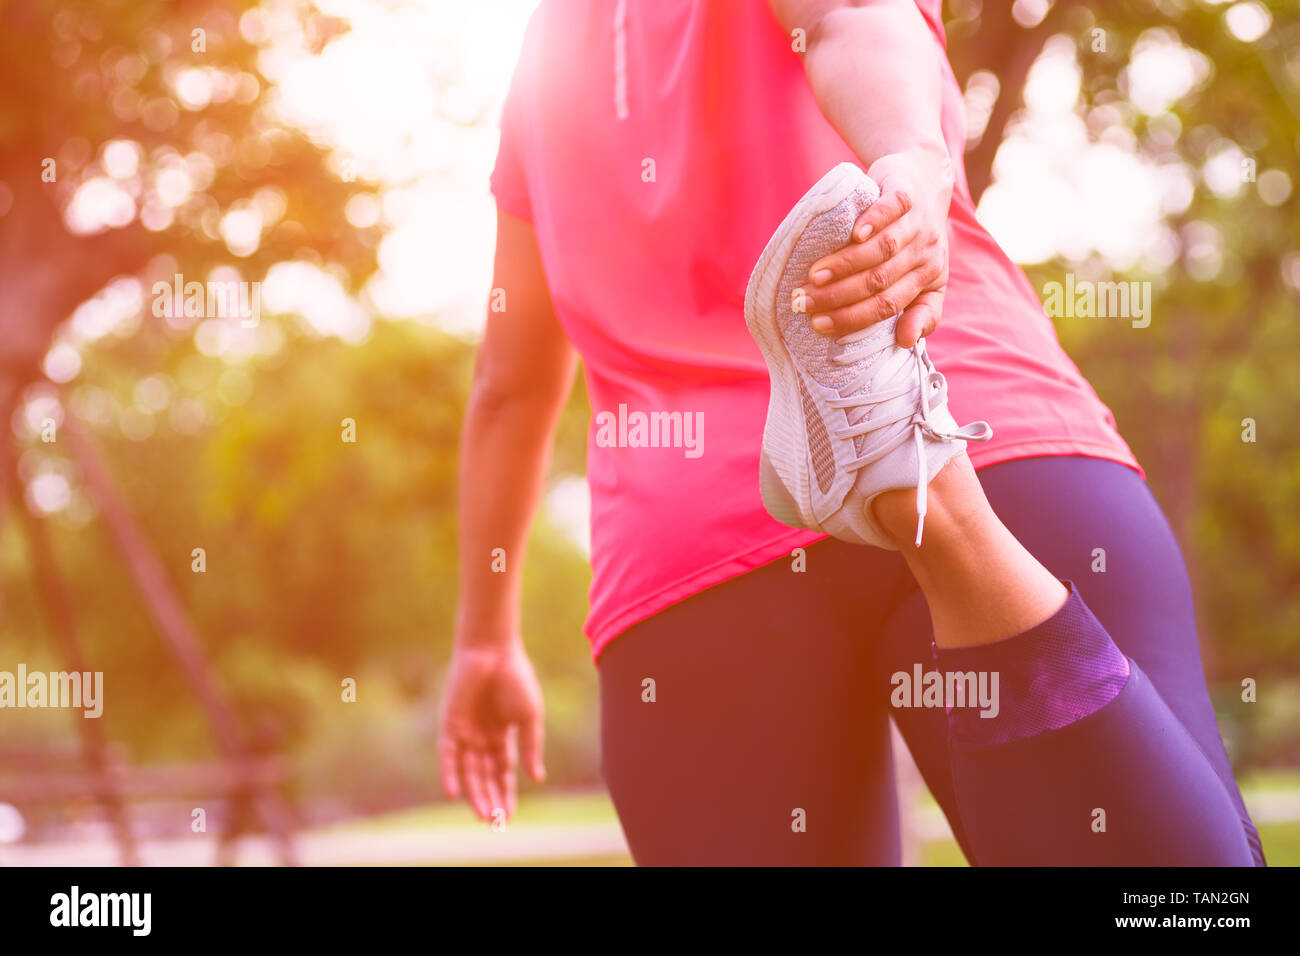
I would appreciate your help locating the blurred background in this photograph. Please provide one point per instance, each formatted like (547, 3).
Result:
(270, 597)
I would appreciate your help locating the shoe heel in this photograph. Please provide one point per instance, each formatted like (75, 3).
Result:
(778, 502)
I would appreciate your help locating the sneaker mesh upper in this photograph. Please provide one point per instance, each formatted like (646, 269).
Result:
(814, 352)
(819, 442)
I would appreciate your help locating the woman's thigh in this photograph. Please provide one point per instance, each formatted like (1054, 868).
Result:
(766, 740)
(1093, 522)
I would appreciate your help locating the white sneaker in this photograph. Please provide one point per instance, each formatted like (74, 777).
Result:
(849, 417)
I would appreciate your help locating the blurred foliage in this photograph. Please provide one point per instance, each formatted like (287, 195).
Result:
(1223, 341)
(324, 560)
(76, 75)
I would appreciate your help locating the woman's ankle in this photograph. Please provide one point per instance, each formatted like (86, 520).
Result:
(956, 507)
(980, 583)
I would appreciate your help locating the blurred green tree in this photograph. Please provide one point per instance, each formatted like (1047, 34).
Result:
(78, 76)
(1204, 393)
(325, 559)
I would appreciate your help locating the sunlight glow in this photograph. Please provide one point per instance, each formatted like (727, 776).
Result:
(1248, 21)
(395, 97)
(1058, 192)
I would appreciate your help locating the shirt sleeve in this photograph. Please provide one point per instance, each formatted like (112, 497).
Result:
(509, 181)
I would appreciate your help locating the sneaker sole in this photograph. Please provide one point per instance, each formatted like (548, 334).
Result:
(784, 404)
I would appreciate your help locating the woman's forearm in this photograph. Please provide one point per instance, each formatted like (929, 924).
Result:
(505, 449)
(875, 72)
(877, 75)
(522, 376)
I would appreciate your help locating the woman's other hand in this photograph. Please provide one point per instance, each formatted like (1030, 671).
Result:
(491, 718)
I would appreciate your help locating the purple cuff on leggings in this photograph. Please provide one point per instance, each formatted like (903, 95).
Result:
(1047, 677)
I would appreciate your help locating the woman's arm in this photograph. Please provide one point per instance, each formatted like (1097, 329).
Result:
(875, 71)
(523, 374)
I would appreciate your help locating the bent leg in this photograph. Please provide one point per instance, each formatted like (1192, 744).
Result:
(1063, 509)
(1151, 757)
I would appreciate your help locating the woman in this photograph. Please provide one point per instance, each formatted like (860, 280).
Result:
(749, 669)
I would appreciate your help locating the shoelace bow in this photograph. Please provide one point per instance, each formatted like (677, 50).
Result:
(934, 389)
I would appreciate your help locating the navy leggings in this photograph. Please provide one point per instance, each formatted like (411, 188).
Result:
(768, 739)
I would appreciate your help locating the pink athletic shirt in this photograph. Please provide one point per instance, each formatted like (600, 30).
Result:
(655, 147)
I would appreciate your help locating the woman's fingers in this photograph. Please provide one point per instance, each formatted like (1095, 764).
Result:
(507, 762)
(501, 765)
(894, 259)
(919, 319)
(881, 246)
(926, 276)
(484, 770)
(449, 765)
(493, 789)
(473, 778)
(895, 202)
(530, 745)
(862, 284)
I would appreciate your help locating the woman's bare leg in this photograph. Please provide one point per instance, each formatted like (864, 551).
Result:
(979, 581)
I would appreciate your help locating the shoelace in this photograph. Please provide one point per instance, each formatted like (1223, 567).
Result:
(934, 389)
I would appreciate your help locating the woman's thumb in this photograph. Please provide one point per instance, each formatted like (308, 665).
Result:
(530, 748)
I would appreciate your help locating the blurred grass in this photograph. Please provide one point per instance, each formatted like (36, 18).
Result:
(1269, 781)
(1281, 843)
(550, 809)
(1281, 847)
(1281, 840)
